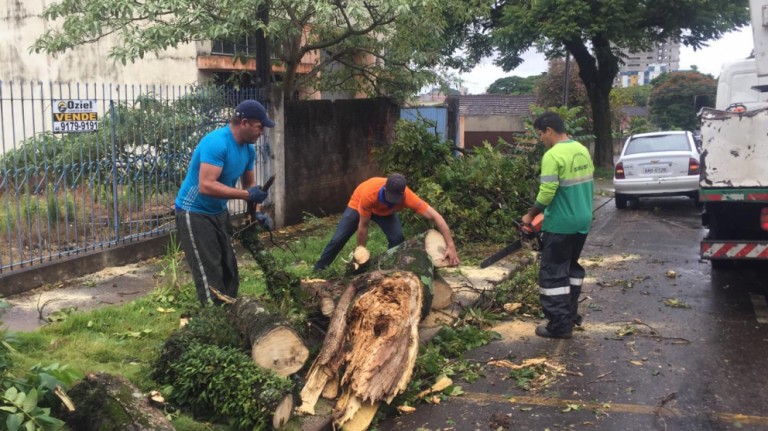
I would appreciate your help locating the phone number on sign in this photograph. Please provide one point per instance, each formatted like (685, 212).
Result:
(76, 126)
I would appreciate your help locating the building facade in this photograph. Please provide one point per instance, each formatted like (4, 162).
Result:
(640, 68)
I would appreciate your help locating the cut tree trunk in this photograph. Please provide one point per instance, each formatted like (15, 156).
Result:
(104, 402)
(382, 343)
(275, 344)
(375, 340)
(373, 336)
(412, 256)
(443, 297)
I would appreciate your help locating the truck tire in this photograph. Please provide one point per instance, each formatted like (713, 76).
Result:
(621, 201)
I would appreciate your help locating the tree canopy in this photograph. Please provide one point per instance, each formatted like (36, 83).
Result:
(594, 33)
(676, 97)
(514, 85)
(381, 48)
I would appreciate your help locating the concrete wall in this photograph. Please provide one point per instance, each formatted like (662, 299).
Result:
(329, 151)
(21, 24)
(496, 123)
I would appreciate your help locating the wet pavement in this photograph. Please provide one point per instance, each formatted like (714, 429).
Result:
(667, 344)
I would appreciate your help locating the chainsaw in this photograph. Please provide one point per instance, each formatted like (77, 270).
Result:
(527, 232)
(250, 209)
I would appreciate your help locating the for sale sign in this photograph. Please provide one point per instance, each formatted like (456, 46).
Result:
(75, 115)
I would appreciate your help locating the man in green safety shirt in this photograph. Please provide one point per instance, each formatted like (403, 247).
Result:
(565, 197)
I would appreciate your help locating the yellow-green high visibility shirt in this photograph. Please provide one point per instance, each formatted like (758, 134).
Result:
(566, 189)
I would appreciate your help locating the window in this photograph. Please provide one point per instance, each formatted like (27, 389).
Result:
(246, 46)
(659, 143)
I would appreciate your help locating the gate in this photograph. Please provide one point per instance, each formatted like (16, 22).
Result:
(89, 166)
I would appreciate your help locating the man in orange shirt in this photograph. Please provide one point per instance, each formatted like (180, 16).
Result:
(379, 199)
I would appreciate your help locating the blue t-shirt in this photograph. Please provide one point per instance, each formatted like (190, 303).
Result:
(217, 148)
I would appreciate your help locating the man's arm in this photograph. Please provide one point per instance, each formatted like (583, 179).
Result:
(362, 230)
(550, 181)
(210, 185)
(248, 179)
(450, 248)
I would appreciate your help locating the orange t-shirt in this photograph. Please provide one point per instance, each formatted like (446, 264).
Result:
(365, 199)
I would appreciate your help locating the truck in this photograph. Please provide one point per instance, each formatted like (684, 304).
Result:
(733, 186)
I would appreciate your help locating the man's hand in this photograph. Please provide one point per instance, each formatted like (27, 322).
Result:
(451, 256)
(265, 221)
(527, 219)
(256, 195)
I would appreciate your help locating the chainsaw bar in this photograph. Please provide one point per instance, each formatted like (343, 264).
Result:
(511, 248)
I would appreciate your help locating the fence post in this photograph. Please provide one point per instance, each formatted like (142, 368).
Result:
(114, 170)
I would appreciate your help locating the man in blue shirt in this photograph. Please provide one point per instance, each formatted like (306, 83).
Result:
(202, 219)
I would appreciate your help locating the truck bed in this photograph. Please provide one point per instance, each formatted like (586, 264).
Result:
(734, 149)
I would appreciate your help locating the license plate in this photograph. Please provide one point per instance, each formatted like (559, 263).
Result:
(655, 170)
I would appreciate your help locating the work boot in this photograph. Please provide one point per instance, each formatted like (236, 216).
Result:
(577, 321)
(542, 331)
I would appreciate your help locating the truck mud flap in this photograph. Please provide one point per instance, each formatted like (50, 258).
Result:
(747, 250)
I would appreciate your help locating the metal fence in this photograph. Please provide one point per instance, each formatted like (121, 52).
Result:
(89, 166)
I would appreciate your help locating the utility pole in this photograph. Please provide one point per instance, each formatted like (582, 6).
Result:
(565, 77)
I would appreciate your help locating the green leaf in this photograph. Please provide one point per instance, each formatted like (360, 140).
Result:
(14, 421)
(30, 402)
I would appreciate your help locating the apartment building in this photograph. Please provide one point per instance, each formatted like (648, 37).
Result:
(640, 68)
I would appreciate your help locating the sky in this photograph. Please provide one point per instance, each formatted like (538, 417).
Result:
(735, 45)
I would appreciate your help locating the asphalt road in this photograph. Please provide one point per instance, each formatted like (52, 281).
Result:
(667, 343)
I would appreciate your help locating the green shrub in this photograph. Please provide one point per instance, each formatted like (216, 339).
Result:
(223, 384)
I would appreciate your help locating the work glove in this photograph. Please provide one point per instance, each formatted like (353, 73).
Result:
(256, 195)
(265, 221)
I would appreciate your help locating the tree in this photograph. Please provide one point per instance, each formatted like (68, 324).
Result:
(594, 32)
(675, 98)
(637, 94)
(381, 48)
(514, 85)
(549, 89)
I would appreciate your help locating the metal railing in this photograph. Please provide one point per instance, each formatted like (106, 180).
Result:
(89, 166)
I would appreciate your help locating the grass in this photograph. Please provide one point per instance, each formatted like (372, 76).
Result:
(126, 339)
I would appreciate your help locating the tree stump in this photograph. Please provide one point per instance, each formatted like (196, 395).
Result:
(104, 402)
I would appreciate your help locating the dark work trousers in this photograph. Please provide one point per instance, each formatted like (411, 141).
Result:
(348, 226)
(207, 243)
(560, 279)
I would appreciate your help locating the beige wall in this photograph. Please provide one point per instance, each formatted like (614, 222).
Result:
(495, 123)
(22, 72)
(20, 25)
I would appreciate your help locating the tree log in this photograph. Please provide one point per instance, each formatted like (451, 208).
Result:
(105, 402)
(274, 343)
(443, 297)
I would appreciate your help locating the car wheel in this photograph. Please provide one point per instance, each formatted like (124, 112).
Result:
(621, 201)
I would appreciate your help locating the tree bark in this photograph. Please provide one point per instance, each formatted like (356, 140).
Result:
(598, 72)
(105, 402)
(275, 344)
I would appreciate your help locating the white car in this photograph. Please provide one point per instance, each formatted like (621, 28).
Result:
(657, 164)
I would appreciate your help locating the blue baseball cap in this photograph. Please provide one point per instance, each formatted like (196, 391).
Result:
(394, 188)
(253, 110)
